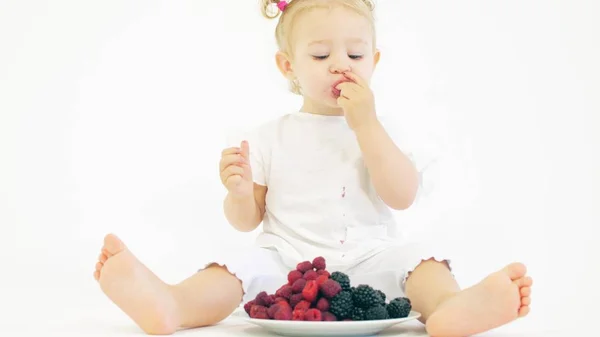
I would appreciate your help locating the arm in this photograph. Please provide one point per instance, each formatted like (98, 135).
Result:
(394, 176)
(246, 213)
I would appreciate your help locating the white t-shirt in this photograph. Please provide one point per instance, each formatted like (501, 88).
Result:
(320, 200)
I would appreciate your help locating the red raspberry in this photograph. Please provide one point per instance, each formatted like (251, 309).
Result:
(283, 314)
(285, 291)
(263, 299)
(310, 275)
(284, 304)
(329, 317)
(272, 309)
(312, 315)
(323, 272)
(248, 306)
(319, 263)
(302, 305)
(270, 300)
(298, 286)
(321, 279)
(293, 276)
(298, 315)
(280, 299)
(259, 312)
(330, 288)
(295, 299)
(305, 266)
(311, 290)
(323, 304)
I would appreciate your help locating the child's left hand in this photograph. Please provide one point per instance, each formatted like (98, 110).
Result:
(356, 98)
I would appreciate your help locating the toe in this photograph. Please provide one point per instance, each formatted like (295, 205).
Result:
(99, 265)
(97, 275)
(526, 301)
(102, 258)
(515, 270)
(106, 253)
(112, 245)
(525, 291)
(523, 311)
(528, 281)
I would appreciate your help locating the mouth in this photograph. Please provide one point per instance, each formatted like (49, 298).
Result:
(335, 91)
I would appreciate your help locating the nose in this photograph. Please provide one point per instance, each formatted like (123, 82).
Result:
(340, 65)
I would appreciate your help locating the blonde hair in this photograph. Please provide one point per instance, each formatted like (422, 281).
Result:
(270, 10)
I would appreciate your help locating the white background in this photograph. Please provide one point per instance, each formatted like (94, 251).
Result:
(113, 115)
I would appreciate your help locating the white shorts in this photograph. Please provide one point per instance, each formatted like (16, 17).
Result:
(262, 269)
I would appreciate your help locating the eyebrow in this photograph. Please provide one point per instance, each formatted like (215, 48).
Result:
(352, 40)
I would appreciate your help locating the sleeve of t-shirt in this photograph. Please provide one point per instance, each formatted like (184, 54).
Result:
(422, 149)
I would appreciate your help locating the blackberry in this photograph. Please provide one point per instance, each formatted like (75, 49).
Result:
(364, 296)
(376, 312)
(382, 295)
(341, 305)
(342, 279)
(358, 314)
(399, 307)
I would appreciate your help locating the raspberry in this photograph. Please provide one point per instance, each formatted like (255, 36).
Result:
(310, 275)
(259, 312)
(295, 299)
(321, 279)
(298, 286)
(285, 291)
(329, 317)
(263, 299)
(298, 315)
(283, 314)
(280, 299)
(319, 263)
(310, 291)
(330, 288)
(305, 266)
(293, 276)
(312, 315)
(323, 272)
(270, 300)
(248, 306)
(272, 310)
(323, 304)
(302, 305)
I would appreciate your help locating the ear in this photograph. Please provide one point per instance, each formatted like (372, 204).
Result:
(376, 57)
(284, 64)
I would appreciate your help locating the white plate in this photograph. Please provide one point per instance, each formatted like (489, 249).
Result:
(322, 329)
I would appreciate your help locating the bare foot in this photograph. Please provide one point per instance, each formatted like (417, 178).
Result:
(497, 300)
(135, 289)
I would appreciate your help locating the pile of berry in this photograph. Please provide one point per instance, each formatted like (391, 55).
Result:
(313, 294)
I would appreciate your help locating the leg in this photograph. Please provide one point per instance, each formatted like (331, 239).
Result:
(447, 311)
(428, 285)
(156, 307)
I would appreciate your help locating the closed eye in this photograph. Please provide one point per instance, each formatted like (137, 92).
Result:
(323, 57)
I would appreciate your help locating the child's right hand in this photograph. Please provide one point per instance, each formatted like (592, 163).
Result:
(236, 173)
